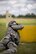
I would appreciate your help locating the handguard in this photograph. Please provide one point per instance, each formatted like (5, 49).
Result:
(17, 27)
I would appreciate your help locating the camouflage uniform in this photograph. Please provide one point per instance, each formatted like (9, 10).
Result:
(12, 38)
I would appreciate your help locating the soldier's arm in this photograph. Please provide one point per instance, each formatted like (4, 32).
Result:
(17, 27)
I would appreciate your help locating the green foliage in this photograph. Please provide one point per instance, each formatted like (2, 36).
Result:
(21, 16)
(27, 16)
(13, 16)
(2, 16)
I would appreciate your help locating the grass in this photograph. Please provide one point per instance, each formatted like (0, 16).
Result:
(28, 34)
(2, 30)
(23, 21)
(26, 48)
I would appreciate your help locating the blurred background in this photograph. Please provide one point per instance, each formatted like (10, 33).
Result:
(23, 12)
